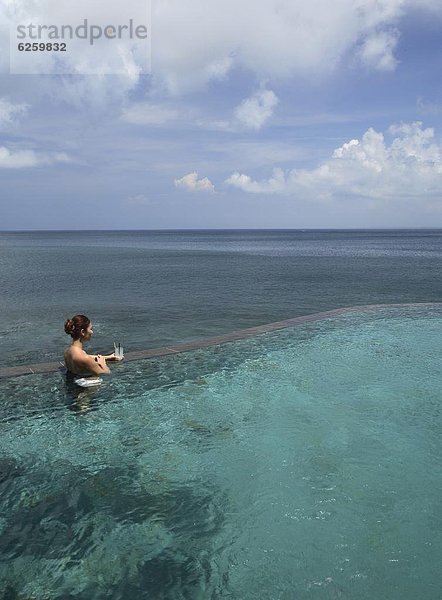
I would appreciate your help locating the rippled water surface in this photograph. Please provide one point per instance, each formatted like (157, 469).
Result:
(156, 288)
(299, 464)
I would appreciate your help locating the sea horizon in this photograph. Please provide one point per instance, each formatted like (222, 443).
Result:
(192, 229)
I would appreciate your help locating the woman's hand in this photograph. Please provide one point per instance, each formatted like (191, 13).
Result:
(101, 360)
(113, 357)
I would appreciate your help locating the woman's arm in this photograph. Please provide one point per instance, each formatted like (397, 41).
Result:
(111, 357)
(93, 364)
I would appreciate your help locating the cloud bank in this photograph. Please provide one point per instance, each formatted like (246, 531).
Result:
(199, 41)
(410, 165)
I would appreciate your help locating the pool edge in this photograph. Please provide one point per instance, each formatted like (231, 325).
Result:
(239, 334)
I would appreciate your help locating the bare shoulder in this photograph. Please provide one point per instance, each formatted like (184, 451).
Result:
(77, 360)
(76, 352)
(72, 353)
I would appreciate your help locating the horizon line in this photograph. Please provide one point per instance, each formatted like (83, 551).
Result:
(423, 228)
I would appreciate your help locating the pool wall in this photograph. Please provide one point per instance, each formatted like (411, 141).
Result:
(52, 367)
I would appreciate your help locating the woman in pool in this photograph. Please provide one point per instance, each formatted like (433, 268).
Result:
(77, 361)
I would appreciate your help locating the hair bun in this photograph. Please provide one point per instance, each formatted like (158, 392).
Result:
(69, 326)
(76, 325)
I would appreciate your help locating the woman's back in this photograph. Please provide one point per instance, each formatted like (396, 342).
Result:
(77, 360)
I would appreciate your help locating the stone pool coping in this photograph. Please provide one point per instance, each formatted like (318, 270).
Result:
(53, 367)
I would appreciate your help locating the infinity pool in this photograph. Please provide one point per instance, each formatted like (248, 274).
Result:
(299, 464)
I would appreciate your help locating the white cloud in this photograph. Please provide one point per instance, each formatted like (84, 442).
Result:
(9, 113)
(121, 55)
(409, 166)
(20, 159)
(86, 74)
(276, 184)
(253, 112)
(377, 50)
(199, 41)
(144, 113)
(191, 183)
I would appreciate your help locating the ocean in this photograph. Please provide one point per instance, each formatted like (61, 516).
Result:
(157, 288)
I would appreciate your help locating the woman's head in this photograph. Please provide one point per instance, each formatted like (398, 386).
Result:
(79, 327)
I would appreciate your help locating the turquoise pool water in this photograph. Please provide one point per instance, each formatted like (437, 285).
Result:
(299, 464)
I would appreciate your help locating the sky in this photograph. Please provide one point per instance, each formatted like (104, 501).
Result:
(269, 114)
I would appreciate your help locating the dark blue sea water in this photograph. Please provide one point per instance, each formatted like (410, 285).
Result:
(154, 288)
